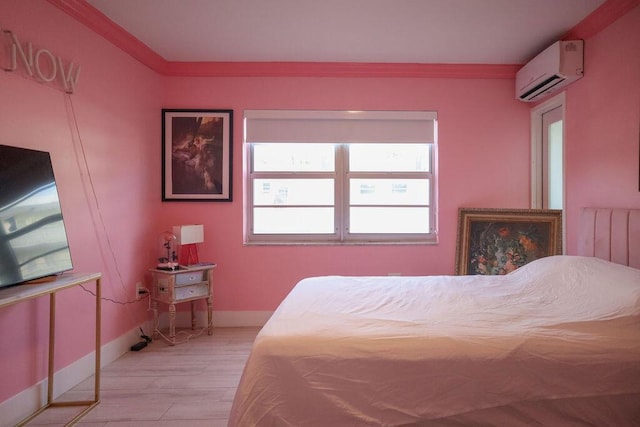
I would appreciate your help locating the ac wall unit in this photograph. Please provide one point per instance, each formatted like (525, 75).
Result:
(557, 66)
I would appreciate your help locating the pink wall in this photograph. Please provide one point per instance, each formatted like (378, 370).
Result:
(602, 124)
(117, 110)
(483, 162)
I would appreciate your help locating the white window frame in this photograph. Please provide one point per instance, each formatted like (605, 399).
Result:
(557, 101)
(340, 139)
(537, 112)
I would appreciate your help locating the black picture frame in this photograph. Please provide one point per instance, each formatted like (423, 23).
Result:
(197, 160)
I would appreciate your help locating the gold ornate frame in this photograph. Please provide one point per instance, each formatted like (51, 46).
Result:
(498, 241)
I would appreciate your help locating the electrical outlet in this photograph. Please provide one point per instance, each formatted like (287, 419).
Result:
(140, 290)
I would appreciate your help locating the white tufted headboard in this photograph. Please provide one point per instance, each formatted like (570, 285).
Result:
(612, 234)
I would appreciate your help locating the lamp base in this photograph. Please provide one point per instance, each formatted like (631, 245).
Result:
(188, 254)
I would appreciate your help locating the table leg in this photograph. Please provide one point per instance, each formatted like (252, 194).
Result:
(193, 315)
(172, 324)
(52, 344)
(154, 308)
(210, 315)
(98, 357)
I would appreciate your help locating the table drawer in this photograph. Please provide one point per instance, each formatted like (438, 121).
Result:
(191, 277)
(192, 291)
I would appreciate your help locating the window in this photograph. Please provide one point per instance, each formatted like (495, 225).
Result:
(340, 176)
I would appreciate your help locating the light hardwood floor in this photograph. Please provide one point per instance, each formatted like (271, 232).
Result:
(190, 384)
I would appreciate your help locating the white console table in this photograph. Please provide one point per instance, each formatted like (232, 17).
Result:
(20, 293)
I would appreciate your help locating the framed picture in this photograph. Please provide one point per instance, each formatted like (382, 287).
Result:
(498, 241)
(196, 155)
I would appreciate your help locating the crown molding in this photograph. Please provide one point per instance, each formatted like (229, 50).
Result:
(340, 69)
(601, 18)
(99, 23)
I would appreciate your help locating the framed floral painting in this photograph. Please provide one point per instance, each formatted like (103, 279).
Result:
(498, 241)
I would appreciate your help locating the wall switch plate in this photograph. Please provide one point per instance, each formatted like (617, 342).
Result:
(140, 290)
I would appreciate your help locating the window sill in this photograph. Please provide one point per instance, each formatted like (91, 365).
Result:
(350, 243)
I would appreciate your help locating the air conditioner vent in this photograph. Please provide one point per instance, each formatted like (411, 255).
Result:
(546, 85)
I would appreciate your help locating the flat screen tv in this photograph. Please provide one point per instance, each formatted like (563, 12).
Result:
(33, 239)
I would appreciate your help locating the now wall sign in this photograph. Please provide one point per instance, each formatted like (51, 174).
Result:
(38, 63)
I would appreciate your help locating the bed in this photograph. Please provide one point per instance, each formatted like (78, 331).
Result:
(556, 342)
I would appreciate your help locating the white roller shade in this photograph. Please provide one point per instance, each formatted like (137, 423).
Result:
(339, 126)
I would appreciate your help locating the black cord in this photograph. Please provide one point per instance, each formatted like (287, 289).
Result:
(94, 210)
(144, 337)
(146, 295)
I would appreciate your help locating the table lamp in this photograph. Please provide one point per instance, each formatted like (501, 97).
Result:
(187, 237)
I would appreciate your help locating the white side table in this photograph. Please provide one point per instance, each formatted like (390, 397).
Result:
(183, 285)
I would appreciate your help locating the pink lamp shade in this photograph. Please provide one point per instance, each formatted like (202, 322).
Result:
(187, 237)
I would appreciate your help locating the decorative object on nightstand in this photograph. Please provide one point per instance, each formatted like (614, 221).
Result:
(188, 236)
(185, 284)
(167, 254)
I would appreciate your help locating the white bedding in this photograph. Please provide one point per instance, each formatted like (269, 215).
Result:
(350, 351)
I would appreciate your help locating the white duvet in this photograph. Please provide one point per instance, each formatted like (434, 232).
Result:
(350, 351)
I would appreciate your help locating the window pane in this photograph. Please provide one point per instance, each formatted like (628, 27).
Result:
(389, 191)
(389, 157)
(298, 157)
(554, 166)
(293, 192)
(382, 220)
(293, 220)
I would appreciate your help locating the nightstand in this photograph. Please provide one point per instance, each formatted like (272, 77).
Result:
(187, 284)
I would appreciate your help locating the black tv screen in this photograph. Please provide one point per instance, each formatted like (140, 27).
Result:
(33, 239)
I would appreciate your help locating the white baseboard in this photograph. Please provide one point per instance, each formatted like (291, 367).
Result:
(25, 403)
(221, 319)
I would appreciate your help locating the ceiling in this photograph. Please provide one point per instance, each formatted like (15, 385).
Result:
(384, 31)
